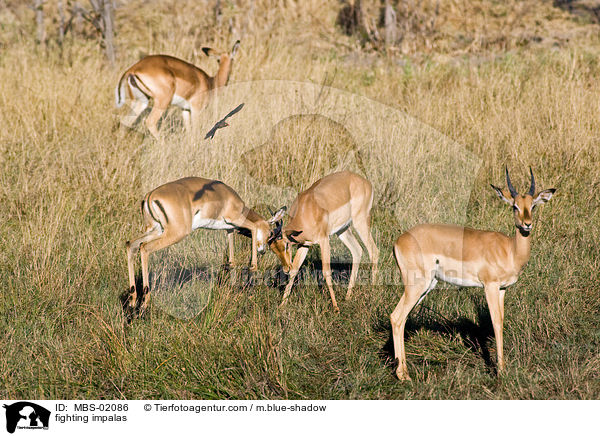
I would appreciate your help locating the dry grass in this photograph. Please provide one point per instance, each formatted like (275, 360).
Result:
(432, 134)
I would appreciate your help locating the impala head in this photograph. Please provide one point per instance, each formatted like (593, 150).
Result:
(225, 61)
(523, 205)
(278, 242)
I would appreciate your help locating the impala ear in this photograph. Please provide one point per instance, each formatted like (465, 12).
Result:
(544, 196)
(275, 233)
(290, 234)
(503, 194)
(209, 51)
(235, 48)
(277, 216)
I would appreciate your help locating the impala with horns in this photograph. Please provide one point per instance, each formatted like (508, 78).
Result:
(335, 204)
(170, 81)
(464, 257)
(174, 210)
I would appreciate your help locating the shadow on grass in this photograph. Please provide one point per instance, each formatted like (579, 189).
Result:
(311, 271)
(171, 122)
(238, 277)
(474, 335)
(340, 272)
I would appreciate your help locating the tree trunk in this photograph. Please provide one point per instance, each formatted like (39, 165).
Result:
(218, 12)
(39, 21)
(390, 24)
(107, 17)
(61, 22)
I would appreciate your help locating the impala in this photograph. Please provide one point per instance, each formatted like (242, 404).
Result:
(465, 257)
(174, 210)
(171, 81)
(333, 205)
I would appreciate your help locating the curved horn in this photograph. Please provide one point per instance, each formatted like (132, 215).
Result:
(532, 187)
(277, 216)
(512, 190)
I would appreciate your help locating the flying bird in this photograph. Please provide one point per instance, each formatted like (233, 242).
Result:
(222, 123)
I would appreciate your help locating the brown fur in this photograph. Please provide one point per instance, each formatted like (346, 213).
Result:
(464, 256)
(161, 77)
(337, 203)
(168, 213)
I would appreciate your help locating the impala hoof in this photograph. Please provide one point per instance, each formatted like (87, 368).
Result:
(402, 376)
(128, 301)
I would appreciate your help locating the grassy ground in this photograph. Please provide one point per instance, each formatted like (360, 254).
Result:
(433, 130)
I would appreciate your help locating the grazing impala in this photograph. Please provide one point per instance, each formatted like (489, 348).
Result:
(171, 81)
(332, 205)
(464, 257)
(173, 210)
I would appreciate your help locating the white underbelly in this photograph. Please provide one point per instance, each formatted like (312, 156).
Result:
(180, 102)
(457, 273)
(206, 223)
(458, 281)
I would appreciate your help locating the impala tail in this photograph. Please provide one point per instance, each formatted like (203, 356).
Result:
(120, 92)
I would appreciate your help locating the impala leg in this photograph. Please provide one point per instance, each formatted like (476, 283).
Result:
(231, 248)
(152, 121)
(197, 105)
(137, 107)
(169, 237)
(296, 264)
(501, 294)
(245, 223)
(187, 123)
(412, 293)
(363, 229)
(231, 264)
(254, 258)
(131, 252)
(496, 305)
(501, 299)
(139, 103)
(132, 249)
(326, 262)
(353, 245)
(193, 120)
(161, 104)
(418, 281)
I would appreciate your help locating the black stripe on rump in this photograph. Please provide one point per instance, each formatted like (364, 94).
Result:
(162, 209)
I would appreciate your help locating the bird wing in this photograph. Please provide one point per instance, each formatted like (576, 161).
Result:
(233, 112)
(211, 132)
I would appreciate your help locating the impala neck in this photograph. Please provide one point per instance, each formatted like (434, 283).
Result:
(522, 248)
(253, 216)
(222, 76)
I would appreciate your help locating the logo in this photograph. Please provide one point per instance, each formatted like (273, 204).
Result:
(26, 415)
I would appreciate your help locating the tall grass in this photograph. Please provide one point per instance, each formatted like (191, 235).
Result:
(432, 134)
